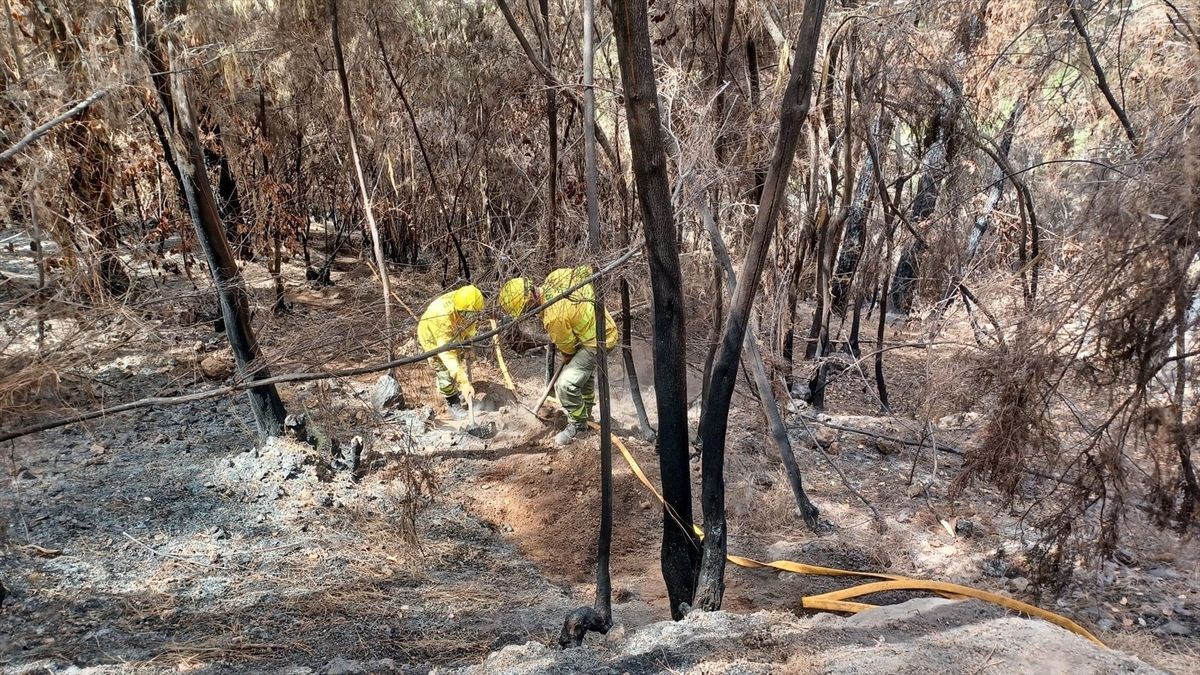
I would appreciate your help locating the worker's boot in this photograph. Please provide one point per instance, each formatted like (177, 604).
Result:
(454, 406)
(574, 430)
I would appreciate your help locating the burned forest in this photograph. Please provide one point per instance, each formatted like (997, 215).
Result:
(485, 336)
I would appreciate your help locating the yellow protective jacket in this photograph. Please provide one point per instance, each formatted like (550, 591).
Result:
(442, 324)
(571, 322)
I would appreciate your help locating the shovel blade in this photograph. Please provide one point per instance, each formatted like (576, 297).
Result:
(483, 431)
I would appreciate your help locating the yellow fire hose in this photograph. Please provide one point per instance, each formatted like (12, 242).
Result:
(838, 601)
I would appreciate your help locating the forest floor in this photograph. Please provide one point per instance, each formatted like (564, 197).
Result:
(168, 539)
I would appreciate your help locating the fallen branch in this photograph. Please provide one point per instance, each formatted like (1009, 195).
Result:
(45, 128)
(880, 523)
(940, 448)
(294, 378)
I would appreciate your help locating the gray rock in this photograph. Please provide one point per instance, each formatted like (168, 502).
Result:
(1175, 629)
(1165, 573)
(344, 666)
(386, 393)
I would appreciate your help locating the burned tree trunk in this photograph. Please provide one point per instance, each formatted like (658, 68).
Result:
(933, 172)
(855, 235)
(599, 618)
(229, 199)
(1101, 80)
(172, 90)
(364, 194)
(464, 268)
(794, 109)
(680, 553)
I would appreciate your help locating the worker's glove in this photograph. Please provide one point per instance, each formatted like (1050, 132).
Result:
(466, 389)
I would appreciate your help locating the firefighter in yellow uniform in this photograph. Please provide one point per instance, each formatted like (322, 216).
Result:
(571, 324)
(451, 317)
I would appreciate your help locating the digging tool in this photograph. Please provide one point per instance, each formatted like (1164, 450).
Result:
(549, 388)
(484, 431)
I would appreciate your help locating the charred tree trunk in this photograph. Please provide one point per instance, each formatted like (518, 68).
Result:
(229, 201)
(821, 329)
(794, 110)
(718, 320)
(272, 222)
(185, 143)
(680, 551)
(464, 267)
(755, 86)
(933, 172)
(648, 433)
(1182, 442)
(364, 194)
(1101, 79)
(788, 348)
(855, 236)
(720, 149)
(822, 228)
(600, 617)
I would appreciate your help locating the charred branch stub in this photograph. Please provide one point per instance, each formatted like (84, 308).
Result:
(579, 623)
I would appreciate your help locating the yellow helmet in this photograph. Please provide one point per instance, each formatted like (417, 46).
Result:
(516, 295)
(468, 299)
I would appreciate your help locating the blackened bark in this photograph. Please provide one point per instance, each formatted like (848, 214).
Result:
(599, 619)
(852, 342)
(603, 603)
(185, 145)
(821, 228)
(755, 86)
(168, 157)
(1183, 446)
(889, 226)
(713, 425)
(933, 172)
(647, 431)
(984, 220)
(635, 387)
(718, 320)
(855, 236)
(788, 349)
(464, 267)
(229, 202)
(680, 552)
(1101, 79)
(276, 266)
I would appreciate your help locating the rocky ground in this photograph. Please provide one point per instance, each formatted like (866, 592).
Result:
(918, 636)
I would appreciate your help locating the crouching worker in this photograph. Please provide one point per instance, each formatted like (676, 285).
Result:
(571, 324)
(451, 317)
